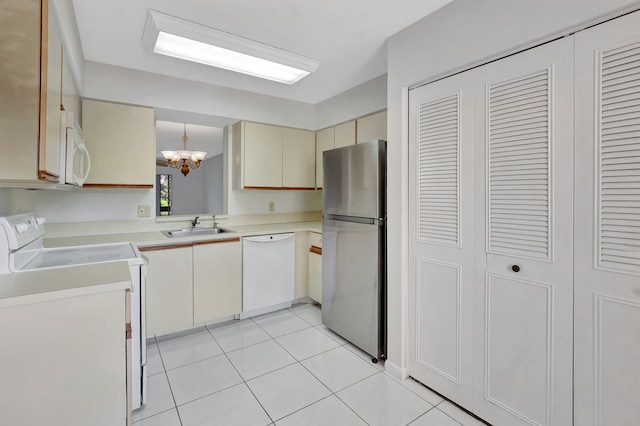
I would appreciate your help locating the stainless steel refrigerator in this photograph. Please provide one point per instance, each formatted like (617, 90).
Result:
(354, 245)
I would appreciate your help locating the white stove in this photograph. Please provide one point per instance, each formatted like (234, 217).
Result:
(22, 250)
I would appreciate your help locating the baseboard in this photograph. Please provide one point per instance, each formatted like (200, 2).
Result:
(395, 370)
(265, 310)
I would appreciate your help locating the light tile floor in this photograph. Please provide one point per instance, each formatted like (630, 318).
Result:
(282, 369)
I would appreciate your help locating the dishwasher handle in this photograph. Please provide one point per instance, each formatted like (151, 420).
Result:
(267, 239)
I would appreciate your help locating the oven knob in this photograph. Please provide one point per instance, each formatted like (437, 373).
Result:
(40, 220)
(21, 227)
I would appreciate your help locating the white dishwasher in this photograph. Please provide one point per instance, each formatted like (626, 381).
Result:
(268, 273)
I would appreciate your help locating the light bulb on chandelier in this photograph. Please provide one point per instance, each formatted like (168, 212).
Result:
(184, 159)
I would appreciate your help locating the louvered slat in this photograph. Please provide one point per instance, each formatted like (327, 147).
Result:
(619, 158)
(438, 171)
(519, 207)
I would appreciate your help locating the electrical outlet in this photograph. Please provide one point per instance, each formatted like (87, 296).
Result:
(144, 211)
(272, 206)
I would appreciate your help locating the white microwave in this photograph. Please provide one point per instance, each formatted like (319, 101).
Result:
(75, 162)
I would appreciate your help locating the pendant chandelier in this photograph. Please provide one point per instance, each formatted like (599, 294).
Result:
(184, 159)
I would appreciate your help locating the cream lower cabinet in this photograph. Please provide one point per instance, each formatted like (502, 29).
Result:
(315, 266)
(192, 283)
(169, 291)
(217, 279)
(68, 357)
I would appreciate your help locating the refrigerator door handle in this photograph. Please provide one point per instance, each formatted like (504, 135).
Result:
(355, 219)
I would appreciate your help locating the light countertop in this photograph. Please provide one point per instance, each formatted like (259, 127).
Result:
(142, 239)
(56, 283)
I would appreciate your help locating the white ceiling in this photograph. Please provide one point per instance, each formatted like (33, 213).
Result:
(348, 37)
(201, 138)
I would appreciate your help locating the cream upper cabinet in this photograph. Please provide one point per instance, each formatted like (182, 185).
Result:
(70, 98)
(372, 127)
(298, 159)
(217, 279)
(345, 134)
(51, 69)
(121, 141)
(30, 92)
(333, 137)
(324, 142)
(262, 155)
(272, 157)
(169, 290)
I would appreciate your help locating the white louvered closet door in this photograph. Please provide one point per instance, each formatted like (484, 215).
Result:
(607, 224)
(441, 236)
(523, 281)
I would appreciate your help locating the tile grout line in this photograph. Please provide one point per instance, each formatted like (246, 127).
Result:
(243, 380)
(175, 405)
(332, 393)
(296, 361)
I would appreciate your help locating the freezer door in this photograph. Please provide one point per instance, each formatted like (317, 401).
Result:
(354, 180)
(353, 283)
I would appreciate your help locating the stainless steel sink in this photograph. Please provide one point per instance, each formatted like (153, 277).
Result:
(186, 232)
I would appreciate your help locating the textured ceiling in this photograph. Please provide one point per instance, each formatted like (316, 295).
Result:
(347, 37)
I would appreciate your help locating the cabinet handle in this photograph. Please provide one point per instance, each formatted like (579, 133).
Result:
(515, 268)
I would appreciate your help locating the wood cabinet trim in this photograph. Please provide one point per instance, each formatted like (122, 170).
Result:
(44, 61)
(224, 240)
(164, 247)
(113, 185)
(269, 188)
(316, 250)
(298, 188)
(48, 176)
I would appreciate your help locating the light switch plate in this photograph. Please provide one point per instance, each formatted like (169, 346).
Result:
(272, 206)
(144, 211)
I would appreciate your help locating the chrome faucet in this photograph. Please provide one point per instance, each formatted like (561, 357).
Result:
(215, 224)
(195, 221)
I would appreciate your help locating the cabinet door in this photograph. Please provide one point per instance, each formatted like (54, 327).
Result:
(372, 127)
(217, 280)
(324, 142)
(345, 134)
(70, 98)
(441, 262)
(262, 156)
(524, 232)
(122, 143)
(83, 381)
(315, 266)
(169, 292)
(607, 224)
(298, 159)
(51, 69)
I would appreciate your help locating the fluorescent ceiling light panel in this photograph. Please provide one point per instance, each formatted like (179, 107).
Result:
(171, 36)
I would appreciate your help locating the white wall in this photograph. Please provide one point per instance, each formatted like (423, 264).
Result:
(463, 33)
(79, 205)
(110, 83)
(214, 181)
(357, 102)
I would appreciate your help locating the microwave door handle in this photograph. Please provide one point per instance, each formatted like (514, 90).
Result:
(85, 152)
